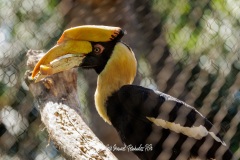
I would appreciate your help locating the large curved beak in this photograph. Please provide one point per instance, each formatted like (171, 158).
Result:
(92, 33)
(76, 42)
(63, 56)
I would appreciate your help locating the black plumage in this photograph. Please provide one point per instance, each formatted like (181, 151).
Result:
(165, 127)
(130, 105)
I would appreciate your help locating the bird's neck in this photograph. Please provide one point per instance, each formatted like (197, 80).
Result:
(119, 70)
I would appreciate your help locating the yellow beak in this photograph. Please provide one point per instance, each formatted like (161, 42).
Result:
(75, 41)
(68, 47)
(91, 33)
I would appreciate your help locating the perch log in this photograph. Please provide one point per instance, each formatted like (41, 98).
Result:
(60, 112)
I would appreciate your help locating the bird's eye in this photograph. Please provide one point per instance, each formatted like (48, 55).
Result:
(98, 49)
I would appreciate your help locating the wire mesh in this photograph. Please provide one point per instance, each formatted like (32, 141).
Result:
(188, 49)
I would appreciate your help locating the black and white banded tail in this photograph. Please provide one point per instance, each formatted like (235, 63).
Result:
(174, 129)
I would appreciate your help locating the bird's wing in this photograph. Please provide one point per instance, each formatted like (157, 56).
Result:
(166, 112)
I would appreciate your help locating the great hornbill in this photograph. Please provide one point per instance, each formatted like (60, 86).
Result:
(140, 115)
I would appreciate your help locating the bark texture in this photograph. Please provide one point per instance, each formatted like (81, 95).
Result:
(59, 107)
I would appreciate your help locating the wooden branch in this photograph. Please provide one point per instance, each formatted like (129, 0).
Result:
(59, 108)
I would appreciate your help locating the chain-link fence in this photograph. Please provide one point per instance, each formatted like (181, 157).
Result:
(188, 49)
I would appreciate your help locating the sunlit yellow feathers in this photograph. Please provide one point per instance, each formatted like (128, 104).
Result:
(77, 41)
(120, 70)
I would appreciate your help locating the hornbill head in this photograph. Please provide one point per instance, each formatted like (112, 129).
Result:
(96, 47)
(86, 46)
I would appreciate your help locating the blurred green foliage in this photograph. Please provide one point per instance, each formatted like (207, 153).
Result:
(196, 31)
(207, 30)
